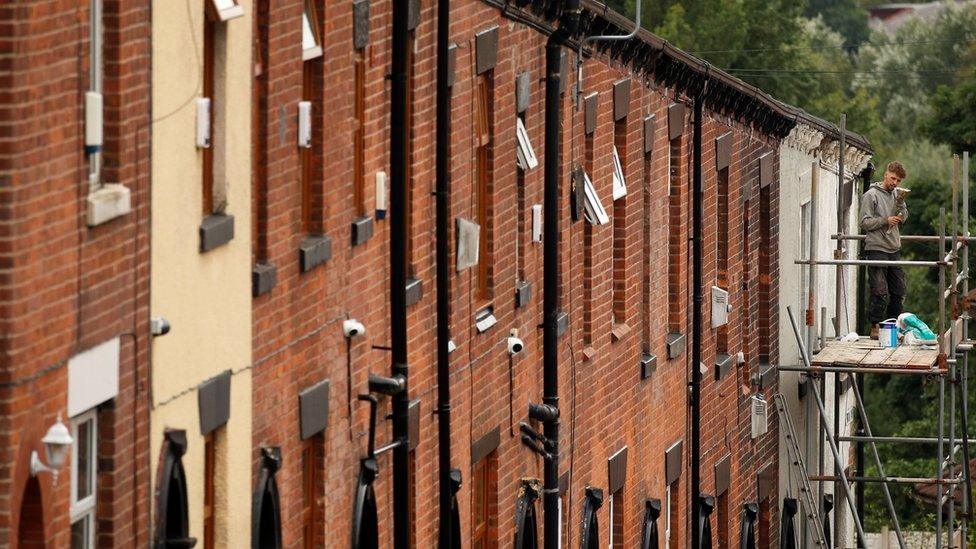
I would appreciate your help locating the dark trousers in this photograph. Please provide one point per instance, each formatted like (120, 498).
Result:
(887, 287)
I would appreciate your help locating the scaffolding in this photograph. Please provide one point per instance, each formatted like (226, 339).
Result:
(946, 361)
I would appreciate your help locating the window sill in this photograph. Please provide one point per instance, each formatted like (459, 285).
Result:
(415, 291)
(362, 230)
(215, 231)
(264, 277)
(648, 364)
(723, 364)
(484, 319)
(314, 251)
(676, 344)
(523, 294)
(589, 353)
(107, 203)
(767, 376)
(619, 331)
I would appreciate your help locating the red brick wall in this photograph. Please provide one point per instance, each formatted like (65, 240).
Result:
(65, 287)
(297, 326)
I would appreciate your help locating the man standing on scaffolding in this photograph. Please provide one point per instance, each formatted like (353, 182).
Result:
(883, 210)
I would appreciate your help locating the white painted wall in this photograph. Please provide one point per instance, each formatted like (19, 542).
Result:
(798, 161)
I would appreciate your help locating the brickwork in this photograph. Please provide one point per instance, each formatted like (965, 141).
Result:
(605, 406)
(65, 287)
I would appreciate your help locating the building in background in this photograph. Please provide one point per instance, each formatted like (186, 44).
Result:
(812, 148)
(74, 256)
(200, 440)
(890, 17)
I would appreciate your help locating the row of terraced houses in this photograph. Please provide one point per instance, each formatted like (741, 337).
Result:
(195, 270)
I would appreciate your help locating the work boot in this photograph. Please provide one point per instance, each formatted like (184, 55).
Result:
(874, 331)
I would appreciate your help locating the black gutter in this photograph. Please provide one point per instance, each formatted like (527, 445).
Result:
(696, 335)
(550, 364)
(442, 193)
(398, 273)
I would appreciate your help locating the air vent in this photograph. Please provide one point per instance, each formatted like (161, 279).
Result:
(759, 416)
(720, 307)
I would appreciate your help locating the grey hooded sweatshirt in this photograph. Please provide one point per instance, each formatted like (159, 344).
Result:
(877, 205)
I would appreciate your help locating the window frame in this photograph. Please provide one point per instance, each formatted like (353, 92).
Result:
(209, 490)
(96, 73)
(667, 517)
(310, 224)
(592, 205)
(619, 180)
(84, 509)
(613, 522)
(225, 10)
(484, 173)
(479, 478)
(359, 138)
(525, 154)
(209, 91)
(310, 483)
(311, 28)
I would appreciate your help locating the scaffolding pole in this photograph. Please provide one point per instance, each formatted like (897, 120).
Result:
(953, 276)
(941, 419)
(967, 502)
(816, 370)
(953, 243)
(838, 287)
(844, 484)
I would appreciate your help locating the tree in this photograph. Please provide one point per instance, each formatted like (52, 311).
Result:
(847, 17)
(953, 116)
(730, 34)
(901, 71)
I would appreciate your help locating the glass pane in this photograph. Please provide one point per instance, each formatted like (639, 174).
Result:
(308, 37)
(83, 455)
(79, 533)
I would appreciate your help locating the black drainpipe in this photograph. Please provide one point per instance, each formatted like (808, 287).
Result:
(696, 322)
(398, 274)
(550, 365)
(443, 274)
(867, 174)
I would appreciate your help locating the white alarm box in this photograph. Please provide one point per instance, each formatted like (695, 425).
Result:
(720, 307)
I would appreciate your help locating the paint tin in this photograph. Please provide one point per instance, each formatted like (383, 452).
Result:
(888, 334)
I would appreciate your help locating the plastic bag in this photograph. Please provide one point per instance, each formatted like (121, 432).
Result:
(915, 331)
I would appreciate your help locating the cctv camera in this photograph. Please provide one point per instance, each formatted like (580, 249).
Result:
(158, 326)
(352, 328)
(515, 345)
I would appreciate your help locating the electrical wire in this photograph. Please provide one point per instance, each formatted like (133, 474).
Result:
(837, 71)
(866, 76)
(841, 47)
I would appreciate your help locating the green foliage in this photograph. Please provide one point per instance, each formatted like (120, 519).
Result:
(718, 30)
(953, 119)
(902, 69)
(847, 17)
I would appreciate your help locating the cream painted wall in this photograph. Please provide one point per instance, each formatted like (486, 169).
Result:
(796, 167)
(205, 296)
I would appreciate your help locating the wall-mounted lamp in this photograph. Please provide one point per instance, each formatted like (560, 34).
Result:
(56, 444)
